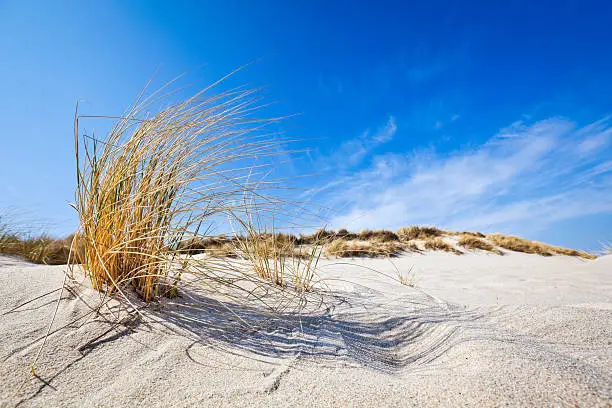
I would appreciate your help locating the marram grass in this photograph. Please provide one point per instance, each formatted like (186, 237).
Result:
(152, 182)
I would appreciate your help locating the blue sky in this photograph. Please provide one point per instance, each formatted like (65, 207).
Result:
(466, 116)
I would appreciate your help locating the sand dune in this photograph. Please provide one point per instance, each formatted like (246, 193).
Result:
(477, 330)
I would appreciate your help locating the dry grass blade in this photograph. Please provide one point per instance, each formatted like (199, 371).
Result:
(406, 278)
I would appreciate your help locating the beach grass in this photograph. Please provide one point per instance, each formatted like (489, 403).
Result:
(149, 187)
(342, 248)
(438, 244)
(418, 232)
(533, 247)
(472, 241)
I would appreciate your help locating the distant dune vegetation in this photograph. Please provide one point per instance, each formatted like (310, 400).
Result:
(341, 244)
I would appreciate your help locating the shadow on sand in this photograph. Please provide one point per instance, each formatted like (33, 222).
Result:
(366, 329)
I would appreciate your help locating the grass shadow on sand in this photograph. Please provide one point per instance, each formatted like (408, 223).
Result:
(363, 328)
(355, 328)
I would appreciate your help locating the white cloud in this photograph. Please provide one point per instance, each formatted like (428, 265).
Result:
(353, 151)
(387, 132)
(523, 179)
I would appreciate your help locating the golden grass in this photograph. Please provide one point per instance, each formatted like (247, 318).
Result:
(319, 237)
(275, 257)
(415, 232)
(349, 249)
(438, 244)
(151, 182)
(533, 247)
(343, 233)
(42, 249)
(378, 235)
(470, 233)
(200, 245)
(472, 241)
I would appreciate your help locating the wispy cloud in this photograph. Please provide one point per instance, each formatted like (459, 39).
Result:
(523, 179)
(352, 152)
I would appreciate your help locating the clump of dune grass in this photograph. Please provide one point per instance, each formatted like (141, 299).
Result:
(199, 245)
(319, 237)
(473, 242)
(275, 256)
(370, 249)
(343, 233)
(533, 247)
(416, 232)
(470, 233)
(378, 235)
(158, 178)
(438, 244)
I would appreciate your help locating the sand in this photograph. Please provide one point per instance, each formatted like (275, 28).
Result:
(477, 330)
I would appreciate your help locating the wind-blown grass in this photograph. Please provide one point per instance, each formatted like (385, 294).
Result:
(152, 182)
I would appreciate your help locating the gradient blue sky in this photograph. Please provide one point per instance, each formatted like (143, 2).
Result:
(466, 116)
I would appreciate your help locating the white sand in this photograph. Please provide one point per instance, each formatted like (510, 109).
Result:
(478, 330)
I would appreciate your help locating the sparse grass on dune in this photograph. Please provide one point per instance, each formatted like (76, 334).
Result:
(416, 232)
(371, 249)
(378, 235)
(406, 278)
(473, 242)
(369, 243)
(533, 247)
(41, 249)
(200, 245)
(411, 246)
(438, 244)
(469, 233)
(343, 233)
(319, 237)
(275, 256)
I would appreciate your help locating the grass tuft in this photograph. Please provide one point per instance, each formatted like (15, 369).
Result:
(415, 232)
(378, 235)
(533, 247)
(153, 181)
(438, 244)
(41, 249)
(371, 249)
(473, 242)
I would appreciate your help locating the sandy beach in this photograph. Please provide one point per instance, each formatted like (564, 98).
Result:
(476, 330)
